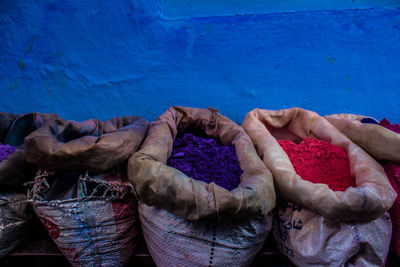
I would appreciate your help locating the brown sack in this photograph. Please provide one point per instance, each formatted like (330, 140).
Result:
(14, 170)
(378, 141)
(91, 145)
(373, 195)
(160, 185)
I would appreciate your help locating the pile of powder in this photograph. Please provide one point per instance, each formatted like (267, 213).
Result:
(369, 120)
(394, 127)
(203, 159)
(320, 162)
(6, 150)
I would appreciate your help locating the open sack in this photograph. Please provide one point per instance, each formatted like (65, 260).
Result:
(383, 144)
(321, 226)
(187, 222)
(81, 194)
(14, 170)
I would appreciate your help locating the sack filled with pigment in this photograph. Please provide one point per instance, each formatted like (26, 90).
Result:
(382, 141)
(81, 193)
(334, 212)
(14, 170)
(205, 195)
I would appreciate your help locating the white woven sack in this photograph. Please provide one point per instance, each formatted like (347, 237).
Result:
(174, 241)
(309, 239)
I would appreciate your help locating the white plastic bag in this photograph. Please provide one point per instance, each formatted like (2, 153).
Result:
(174, 241)
(309, 239)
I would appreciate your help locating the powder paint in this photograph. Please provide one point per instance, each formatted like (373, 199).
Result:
(205, 160)
(6, 150)
(320, 162)
(369, 120)
(394, 127)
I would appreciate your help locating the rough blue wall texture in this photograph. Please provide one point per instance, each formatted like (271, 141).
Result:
(98, 59)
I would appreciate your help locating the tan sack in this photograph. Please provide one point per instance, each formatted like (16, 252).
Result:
(91, 145)
(383, 144)
(187, 222)
(160, 185)
(373, 195)
(378, 141)
(313, 225)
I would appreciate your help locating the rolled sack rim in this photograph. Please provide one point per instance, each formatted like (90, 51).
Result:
(204, 199)
(47, 148)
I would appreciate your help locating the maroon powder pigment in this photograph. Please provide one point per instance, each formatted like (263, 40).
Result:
(6, 150)
(394, 127)
(320, 162)
(205, 160)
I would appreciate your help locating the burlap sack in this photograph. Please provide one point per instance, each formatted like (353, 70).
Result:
(173, 200)
(316, 226)
(381, 143)
(373, 195)
(91, 145)
(92, 218)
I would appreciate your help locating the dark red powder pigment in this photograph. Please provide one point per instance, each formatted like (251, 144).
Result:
(6, 150)
(394, 127)
(205, 160)
(320, 162)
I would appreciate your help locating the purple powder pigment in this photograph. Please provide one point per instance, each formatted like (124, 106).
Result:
(6, 150)
(203, 159)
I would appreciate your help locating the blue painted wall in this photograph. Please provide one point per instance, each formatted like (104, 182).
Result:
(98, 59)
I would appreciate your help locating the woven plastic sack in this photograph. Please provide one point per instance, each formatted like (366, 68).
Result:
(15, 214)
(92, 218)
(14, 170)
(382, 144)
(323, 227)
(174, 241)
(178, 213)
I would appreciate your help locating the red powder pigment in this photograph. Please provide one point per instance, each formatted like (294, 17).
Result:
(320, 162)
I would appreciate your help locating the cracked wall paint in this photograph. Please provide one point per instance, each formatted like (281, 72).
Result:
(84, 60)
